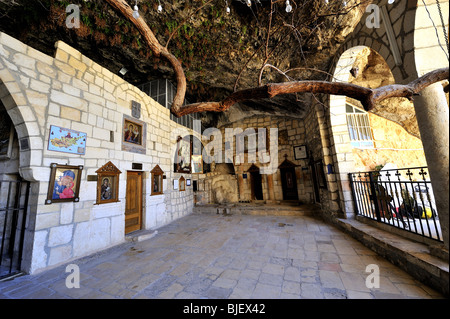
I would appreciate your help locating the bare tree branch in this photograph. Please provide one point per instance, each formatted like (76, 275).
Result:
(157, 49)
(368, 97)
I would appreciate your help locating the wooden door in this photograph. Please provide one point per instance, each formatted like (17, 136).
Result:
(133, 205)
(315, 182)
(256, 184)
(289, 183)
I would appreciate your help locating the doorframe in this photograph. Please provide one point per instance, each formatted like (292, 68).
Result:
(284, 188)
(255, 170)
(288, 165)
(315, 182)
(141, 200)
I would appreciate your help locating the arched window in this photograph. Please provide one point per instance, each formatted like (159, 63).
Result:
(188, 156)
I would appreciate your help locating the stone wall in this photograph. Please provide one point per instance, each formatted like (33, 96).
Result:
(406, 23)
(392, 145)
(71, 91)
(291, 132)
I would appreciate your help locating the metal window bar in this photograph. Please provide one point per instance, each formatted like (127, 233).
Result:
(359, 127)
(402, 198)
(13, 212)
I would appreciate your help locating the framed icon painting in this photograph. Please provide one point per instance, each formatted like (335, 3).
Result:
(64, 184)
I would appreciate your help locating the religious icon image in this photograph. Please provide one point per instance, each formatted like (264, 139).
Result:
(157, 180)
(134, 135)
(197, 164)
(106, 189)
(132, 132)
(63, 187)
(107, 183)
(183, 154)
(64, 183)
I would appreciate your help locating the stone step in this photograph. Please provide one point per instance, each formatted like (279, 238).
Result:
(413, 257)
(140, 235)
(285, 209)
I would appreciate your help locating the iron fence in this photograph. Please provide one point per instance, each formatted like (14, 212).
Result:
(402, 198)
(13, 211)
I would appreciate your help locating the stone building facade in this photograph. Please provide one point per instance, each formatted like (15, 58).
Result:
(71, 91)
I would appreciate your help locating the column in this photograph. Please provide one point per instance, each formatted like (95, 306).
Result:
(433, 119)
(270, 187)
(241, 193)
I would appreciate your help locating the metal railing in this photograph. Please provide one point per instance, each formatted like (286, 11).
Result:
(13, 212)
(402, 198)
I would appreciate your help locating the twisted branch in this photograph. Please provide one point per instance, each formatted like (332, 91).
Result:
(368, 97)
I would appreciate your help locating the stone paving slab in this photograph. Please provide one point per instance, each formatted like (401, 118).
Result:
(229, 257)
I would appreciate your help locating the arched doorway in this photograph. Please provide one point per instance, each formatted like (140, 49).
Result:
(255, 183)
(288, 180)
(14, 194)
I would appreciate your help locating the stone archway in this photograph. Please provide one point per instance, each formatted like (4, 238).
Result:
(364, 66)
(25, 124)
(17, 168)
(406, 25)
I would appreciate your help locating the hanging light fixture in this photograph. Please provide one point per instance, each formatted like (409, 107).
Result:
(228, 8)
(391, 1)
(136, 11)
(288, 6)
(249, 3)
(159, 6)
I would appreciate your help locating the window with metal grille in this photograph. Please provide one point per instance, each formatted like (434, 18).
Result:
(163, 92)
(359, 127)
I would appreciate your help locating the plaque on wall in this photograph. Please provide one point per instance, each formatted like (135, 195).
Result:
(300, 152)
(66, 140)
(135, 109)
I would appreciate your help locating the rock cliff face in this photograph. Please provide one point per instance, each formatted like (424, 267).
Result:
(219, 51)
(373, 72)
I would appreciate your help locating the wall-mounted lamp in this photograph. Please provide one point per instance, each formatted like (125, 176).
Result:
(123, 71)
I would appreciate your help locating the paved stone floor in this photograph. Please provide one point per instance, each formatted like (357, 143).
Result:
(220, 257)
